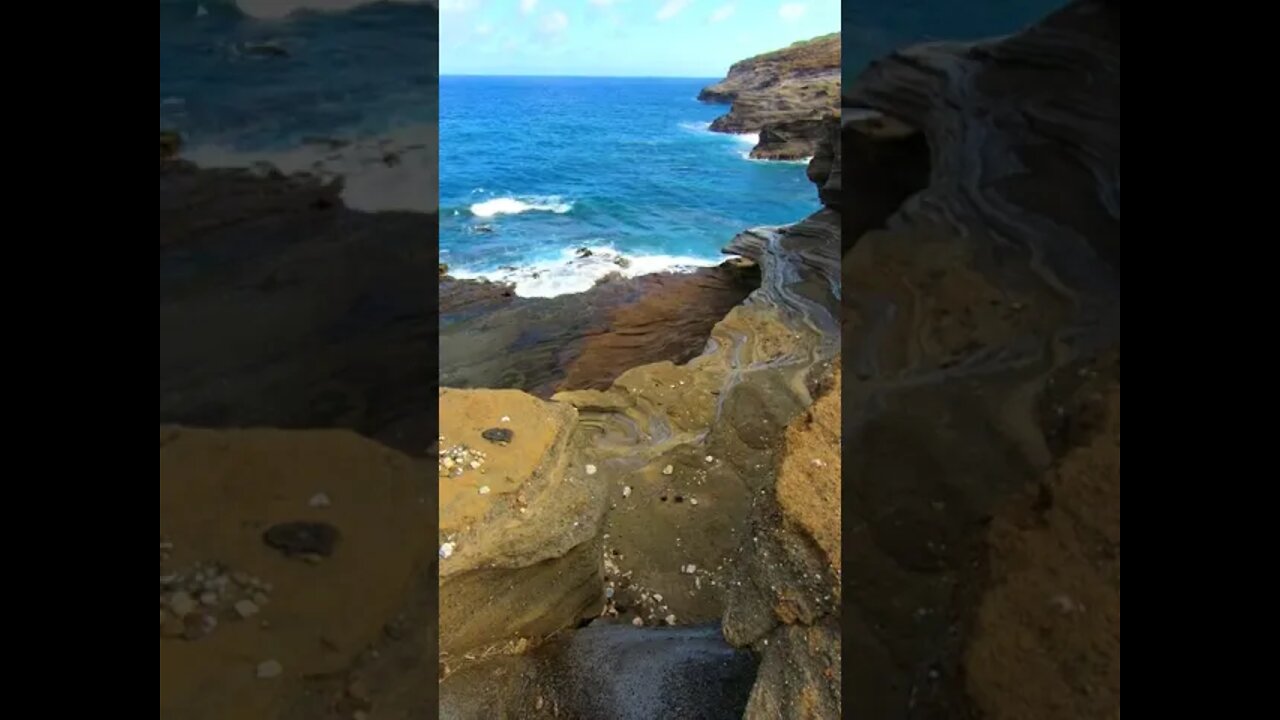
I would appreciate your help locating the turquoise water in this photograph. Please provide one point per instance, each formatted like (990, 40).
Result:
(534, 169)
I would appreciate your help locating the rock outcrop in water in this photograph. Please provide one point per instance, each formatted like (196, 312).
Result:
(981, 337)
(785, 96)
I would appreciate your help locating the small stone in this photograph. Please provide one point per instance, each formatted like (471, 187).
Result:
(302, 538)
(626, 491)
(668, 470)
(638, 622)
(246, 609)
(319, 500)
(182, 604)
(693, 501)
(484, 489)
(818, 463)
(312, 558)
(209, 598)
(657, 597)
(498, 435)
(447, 463)
(671, 619)
(260, 599)
(198, 625)
(269, 669)
(475, 464)
(446, 550)
(591, 469)
(709, 459)
(506, 418)
(608, 593)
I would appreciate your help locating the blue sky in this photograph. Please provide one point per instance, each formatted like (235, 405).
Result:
(669, 38)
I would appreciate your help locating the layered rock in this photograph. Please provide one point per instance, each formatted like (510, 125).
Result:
(281, 307)
(983, 295)
(491, 338)
(519, 524)
(785, 96)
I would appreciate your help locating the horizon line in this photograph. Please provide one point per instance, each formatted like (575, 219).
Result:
(581, 77)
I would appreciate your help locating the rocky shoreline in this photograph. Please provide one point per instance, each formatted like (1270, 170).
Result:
(786, 96)
(631, 510)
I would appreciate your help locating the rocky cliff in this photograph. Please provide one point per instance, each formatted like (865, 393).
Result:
(981, 340)
(785, 96)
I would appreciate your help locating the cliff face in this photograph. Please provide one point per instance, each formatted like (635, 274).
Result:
(784, 96)
(981, 336)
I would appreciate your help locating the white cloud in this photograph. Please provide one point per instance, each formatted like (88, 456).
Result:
(528, 6)
(601, 3)
(672, 8)
(722, 13)
(555, 23)
(791, 11)
(484, 29)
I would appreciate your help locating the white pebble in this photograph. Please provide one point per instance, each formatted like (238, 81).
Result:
(319, 500)
(484, 489)
(269, 669)
(693, 501)
(668, 470)
(448, 463)
(475, 464)
(506, 418)
(709, 459)
(671, 619)
(591, 469)
(446, 550)
(638, 622)
(626, 491)
(657, 597)
(246, 609)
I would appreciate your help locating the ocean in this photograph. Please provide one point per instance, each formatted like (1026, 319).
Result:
(349, 93)
(537, 171)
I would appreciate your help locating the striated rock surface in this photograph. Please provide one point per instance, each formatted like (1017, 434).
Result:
(785, 96)
(982, 305)
(584, 340)
(524, 554)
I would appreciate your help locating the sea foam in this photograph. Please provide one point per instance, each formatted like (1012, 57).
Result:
(567, 273)
(515, 206)
(396, 171)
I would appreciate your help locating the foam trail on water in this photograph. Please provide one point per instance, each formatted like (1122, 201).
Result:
(515, 206)
(396, 171)
(568, 273)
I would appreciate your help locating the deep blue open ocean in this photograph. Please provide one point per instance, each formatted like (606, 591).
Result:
(533, 169)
